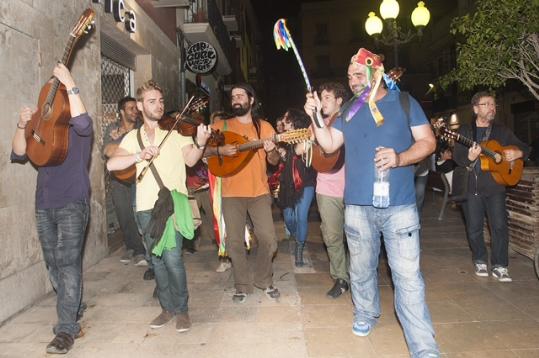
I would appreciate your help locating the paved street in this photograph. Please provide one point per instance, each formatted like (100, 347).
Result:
(473, 317)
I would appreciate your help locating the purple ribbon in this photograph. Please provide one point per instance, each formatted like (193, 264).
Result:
(358, 103)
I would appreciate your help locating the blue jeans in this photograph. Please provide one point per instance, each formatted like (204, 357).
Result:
(61, 233)
(475, 208)
(297, 218)
(169, 270)
(400, 228)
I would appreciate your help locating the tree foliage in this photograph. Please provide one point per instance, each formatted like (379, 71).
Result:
(500, 41)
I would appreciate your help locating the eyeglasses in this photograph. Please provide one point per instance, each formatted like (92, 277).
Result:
(494, 105)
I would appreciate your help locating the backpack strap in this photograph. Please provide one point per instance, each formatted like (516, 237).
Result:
(404, 99)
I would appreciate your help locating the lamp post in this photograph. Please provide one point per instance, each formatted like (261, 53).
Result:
(394, 36)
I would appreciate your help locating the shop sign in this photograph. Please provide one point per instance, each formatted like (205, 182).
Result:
(120, 13)
(201, 57)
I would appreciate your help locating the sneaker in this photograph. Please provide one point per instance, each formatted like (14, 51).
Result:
(239, 297)
(126, 258)
(148, 275)
(501, 274)
(61, 344)
(340, 287)
(140, 260)
(183, 322)
(163, 318)
(224, 266)
(361, 328)
(272, 292)
(481, 270)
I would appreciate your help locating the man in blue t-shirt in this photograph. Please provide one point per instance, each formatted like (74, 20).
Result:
(377, 131)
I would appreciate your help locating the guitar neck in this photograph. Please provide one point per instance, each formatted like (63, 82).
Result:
(469, 143)
(65, 58)
(255, 144)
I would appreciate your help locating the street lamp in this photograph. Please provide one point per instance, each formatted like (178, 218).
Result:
(389, 10)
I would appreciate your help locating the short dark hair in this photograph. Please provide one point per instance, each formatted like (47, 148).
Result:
(477, 97)
(337, 88)
(123, 101)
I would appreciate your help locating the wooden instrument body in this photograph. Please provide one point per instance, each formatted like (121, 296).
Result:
(224, 166)
(504, 173)
(327, 162)
(126, 175)
(47, 133)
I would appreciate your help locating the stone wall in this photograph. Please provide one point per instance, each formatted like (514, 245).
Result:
(33, 35)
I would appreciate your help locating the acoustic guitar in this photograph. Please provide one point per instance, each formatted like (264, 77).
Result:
(128, 174)
(504, 172)
(224, 166)
(47, 133)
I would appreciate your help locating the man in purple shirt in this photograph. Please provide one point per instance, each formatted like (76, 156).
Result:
(62, 209)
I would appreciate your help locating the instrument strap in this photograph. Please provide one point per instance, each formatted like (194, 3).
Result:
(152, 167)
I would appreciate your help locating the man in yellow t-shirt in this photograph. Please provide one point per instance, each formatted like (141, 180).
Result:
(170, 161)
(247, 192)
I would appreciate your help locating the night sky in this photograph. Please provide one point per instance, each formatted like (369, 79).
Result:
(284, 85)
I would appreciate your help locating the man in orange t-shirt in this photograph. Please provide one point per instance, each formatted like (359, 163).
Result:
(247, 192)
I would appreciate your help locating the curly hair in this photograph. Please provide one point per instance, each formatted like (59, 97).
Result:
(298, 118)
(337, 88)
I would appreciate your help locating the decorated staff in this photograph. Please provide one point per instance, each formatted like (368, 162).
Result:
(284, 40)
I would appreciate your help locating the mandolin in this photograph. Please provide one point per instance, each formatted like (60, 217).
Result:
(491, 157)
(327, 162)
(224, 166)
(47, 133)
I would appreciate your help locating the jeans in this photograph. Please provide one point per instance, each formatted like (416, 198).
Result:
(475, 208)
(122, 197)
(169, 270)
(61, 233)
(400, 228)
(297, 218)
(332, 214)
(420, 186)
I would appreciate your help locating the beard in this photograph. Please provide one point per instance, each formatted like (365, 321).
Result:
(239, 109)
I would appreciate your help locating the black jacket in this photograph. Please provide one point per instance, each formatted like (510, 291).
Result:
(481, 182)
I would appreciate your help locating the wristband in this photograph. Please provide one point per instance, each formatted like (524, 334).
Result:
(18, 126)
(74, 90)
(138, 159)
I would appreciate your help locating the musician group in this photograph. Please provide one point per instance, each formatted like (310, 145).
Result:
(378, 134)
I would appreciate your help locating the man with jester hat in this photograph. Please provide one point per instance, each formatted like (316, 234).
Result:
(382, 127)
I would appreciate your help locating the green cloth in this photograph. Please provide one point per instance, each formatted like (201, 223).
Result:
(180, 221)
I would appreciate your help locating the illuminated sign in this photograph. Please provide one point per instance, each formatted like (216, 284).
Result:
(120, 13)
(201, 57)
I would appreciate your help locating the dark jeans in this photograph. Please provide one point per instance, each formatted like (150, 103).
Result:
(122, 197)
(169, 270)
(61, 233)
(475, 208)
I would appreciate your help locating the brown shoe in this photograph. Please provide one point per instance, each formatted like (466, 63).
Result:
(61, 344)
(163, 318)
(183, 322)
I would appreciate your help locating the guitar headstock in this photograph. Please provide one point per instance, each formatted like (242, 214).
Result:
(396, 73)
(198, 104)
(441, 130)
(295, 136)
(84, 24)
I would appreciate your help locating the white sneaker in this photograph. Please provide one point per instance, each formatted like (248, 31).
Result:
(223, 266)
(139, 260)
(501, 274)
(481, 270)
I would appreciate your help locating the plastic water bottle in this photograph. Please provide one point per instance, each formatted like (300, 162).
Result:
(380, 192)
